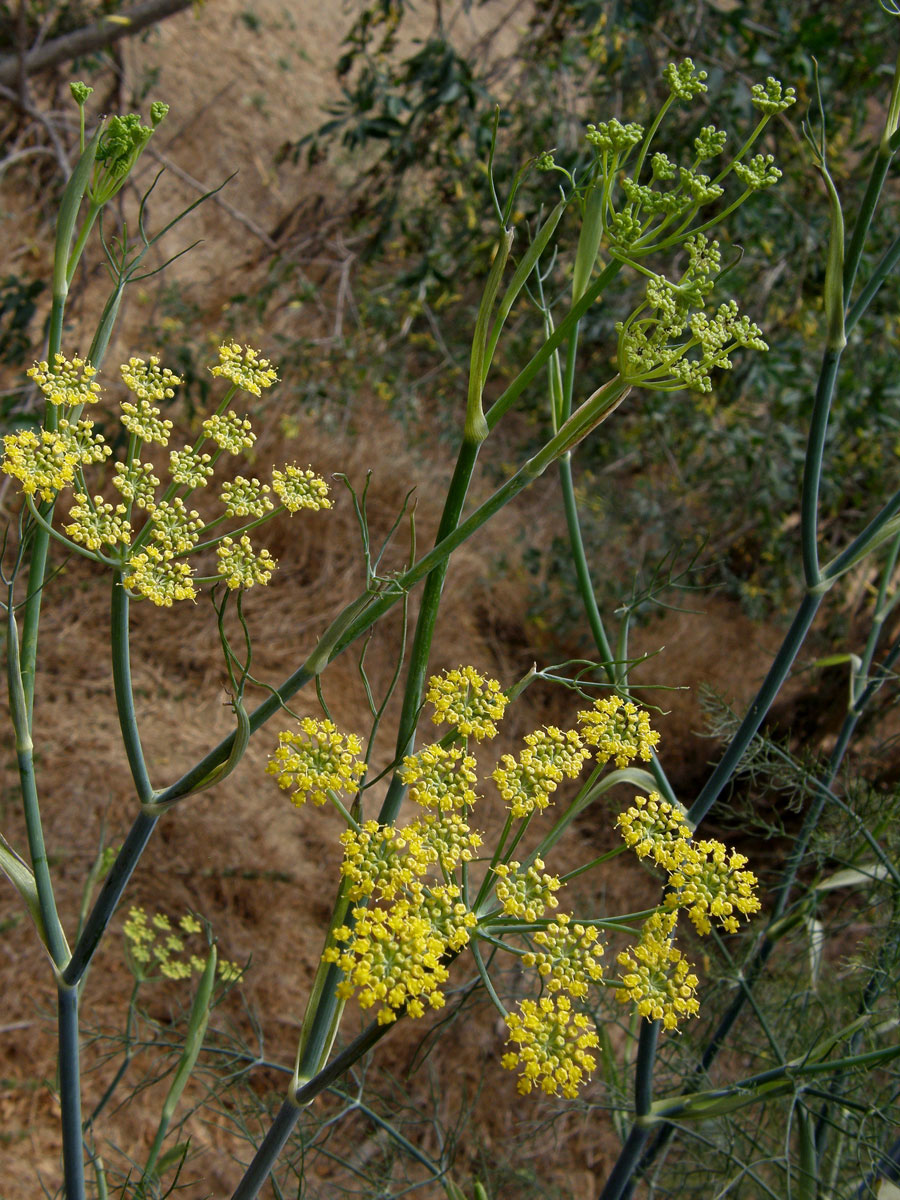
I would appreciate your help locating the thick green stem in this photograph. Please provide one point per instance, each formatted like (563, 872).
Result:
(110, 894)
(582, 570)
(420, 650)
(70, 1092)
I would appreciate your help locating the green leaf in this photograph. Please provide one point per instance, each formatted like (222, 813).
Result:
(21, 877)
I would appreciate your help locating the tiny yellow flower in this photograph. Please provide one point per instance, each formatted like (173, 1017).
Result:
(467, 700)
(243, 367)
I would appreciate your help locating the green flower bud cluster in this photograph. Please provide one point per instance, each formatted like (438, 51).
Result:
(643, 211)
(669, 342)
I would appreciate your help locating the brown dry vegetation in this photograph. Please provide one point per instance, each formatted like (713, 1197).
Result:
(258, 869)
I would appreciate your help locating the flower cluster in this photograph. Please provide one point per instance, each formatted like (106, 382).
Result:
(568, 958)
(315, 761)
(298, 489)
(440, 777)
(525, 894)
(243, 367)
(68, 384)
(553, 1046)
(46, 461)
(656, 977)
(549, 757)
(617, 729)
(468, 701)
(413, 900)
(156, 946)
(153, 553)
(704, 878)
(393, 952)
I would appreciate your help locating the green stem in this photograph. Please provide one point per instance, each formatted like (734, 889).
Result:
(121, 667)
(757, 711)
(70, 1093)
(425, 626)
(55, 937)
(582, 570)
(110, 894)
(283, 1125)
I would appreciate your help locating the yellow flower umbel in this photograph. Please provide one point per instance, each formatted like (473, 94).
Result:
(618, 730)
(440, 777)
(381, 861)
(549, 757)
(229, 431)
(98, 524)
(468, 701)
(393, 953)
(148, 380)
(317, 759)
(654, 827)
(553, 1046)
(568, 958)
(656, 977)
(393, 956)
(298, 489)
(66, 384)
(244, 368)
(525, 894)
(710, 882)
(157, 576)
(241, 566)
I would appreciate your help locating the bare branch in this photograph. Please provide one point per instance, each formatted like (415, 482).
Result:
(104, 32)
